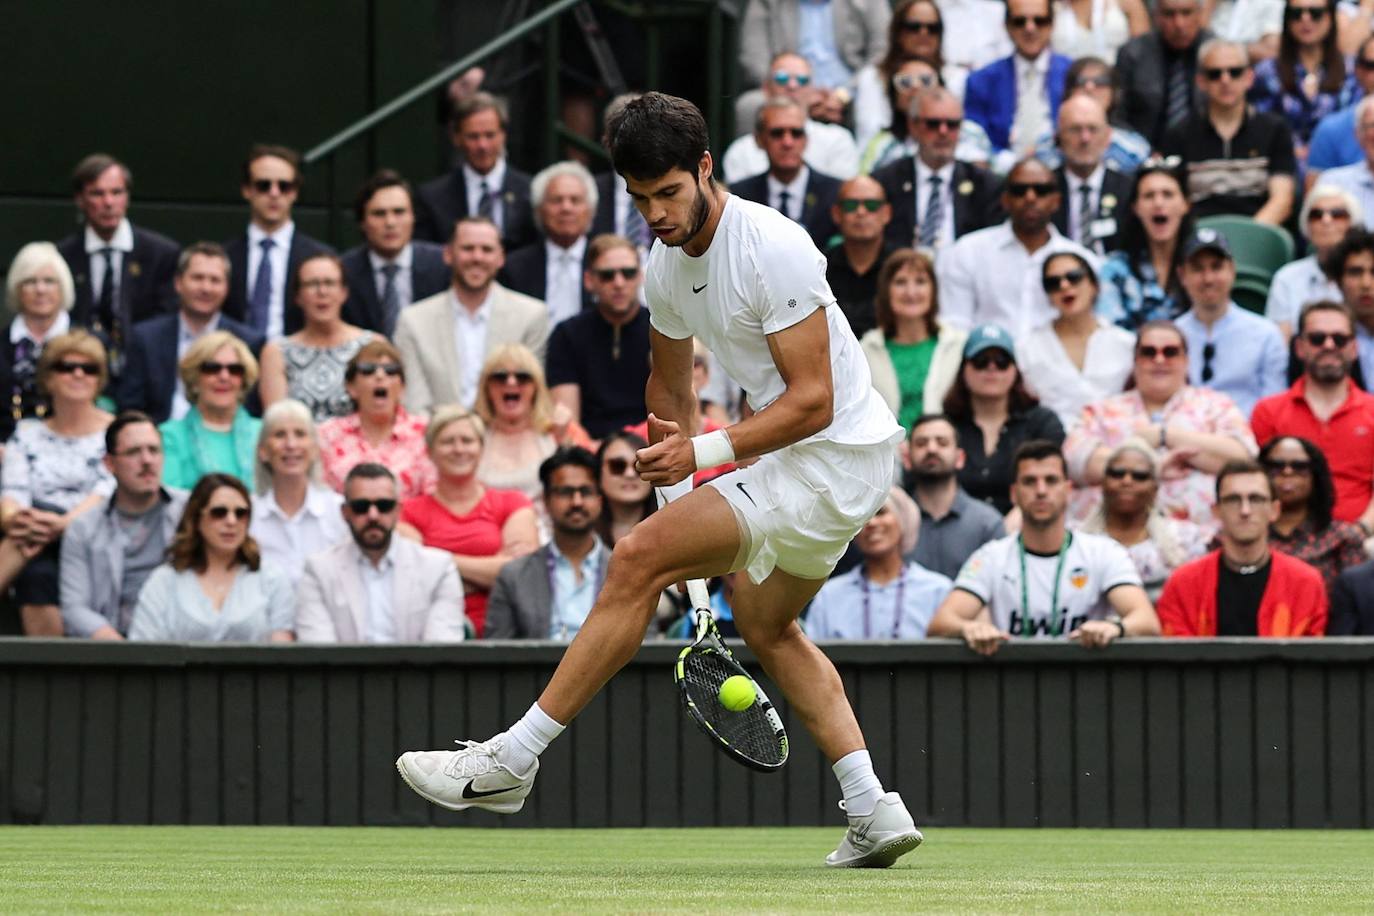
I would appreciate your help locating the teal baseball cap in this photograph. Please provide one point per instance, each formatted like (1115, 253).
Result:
(987, 337)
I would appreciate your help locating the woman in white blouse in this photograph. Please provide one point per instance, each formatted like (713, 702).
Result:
(215, 586)
(294, 515)
(1327, 215)
(1077, 358)
(1097, 28)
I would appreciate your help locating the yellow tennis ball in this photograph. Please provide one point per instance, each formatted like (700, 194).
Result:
(737, 693)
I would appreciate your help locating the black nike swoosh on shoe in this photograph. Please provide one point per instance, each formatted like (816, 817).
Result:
(746, 493)
(697, 289)
(469, 793)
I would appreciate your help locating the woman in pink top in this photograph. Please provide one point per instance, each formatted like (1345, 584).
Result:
(484, 529)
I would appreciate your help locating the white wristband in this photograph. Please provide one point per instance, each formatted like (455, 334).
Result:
(713, 449)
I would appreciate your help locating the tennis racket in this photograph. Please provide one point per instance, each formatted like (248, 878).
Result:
(753, 736)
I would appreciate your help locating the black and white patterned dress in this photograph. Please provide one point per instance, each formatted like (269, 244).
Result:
(54, 472)
(315, 376)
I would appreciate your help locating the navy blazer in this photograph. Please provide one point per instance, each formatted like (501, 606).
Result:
(1111, 206)
(821, 191)
(526, 271)
(977, 200)
(236, 306)
(146, 278)
(443, 201)
(1352, 602)
(150, 367)
(990, 96)
(429, 274)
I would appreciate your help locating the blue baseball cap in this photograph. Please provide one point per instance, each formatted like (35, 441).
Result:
(988, 337)
(1207, 240)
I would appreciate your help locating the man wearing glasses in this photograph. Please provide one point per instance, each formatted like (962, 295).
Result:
(1016, 99)
(790, 186)
(861, 212)
(263, 260)
(1090, 187)
(1244, 588)
(374, 587)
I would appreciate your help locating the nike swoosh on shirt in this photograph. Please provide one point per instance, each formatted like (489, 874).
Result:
(697, 289)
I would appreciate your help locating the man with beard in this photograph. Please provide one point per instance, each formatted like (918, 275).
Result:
(1244, 588)
(1045, 581)
(1326, 408)
(750, 283)
(548, 594)
(953, 524)
(374, 587)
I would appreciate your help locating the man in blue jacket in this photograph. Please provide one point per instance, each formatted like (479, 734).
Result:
(1016, 99)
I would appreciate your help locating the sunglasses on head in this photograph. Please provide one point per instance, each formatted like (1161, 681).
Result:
(391, 369)
(1320, 213)
(1314, 13)
(361, 506)
(929, 28)
(852, 204)
(265, 185)
(1053, 282)
(777, 133)
(519, 378)
(905, 82)
(1000, 359)
(939, 123)
(69, 367)
(619, 467)
(783, 78)
(1022, 188)
(607, 274)
(1168, 351)
(220, 513)
(1212, 74)
(1292, 465)
(1158, 163)
(1319, 339)
(1123, 473)
(1021, 22)
(211, 367)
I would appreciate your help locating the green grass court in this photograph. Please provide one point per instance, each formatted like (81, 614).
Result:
(380, 870)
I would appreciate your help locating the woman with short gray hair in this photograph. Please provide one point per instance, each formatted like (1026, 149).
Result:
(39, 293)
(1327, 214)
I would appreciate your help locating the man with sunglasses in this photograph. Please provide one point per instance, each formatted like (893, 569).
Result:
(790, 186)
(264, 259)
(1016, 99)
(1157, 69)
(1245, 588)
(374, 587)
(1240, 162)
(1325, 407)
(1230, 349)
(151, 382)
(861, 211)
(1336, 139)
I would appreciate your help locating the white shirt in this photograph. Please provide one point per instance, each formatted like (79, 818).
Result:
(478, 184)
(1010, 294)
(563, 279)
(288, 539)
(944, 236)
(762, 274)
(796, 193)
(185, 337)
(1093, 565)
(122, 242)
(19, 330)
(1247, 21)
(830, 150)
(403, 260)
(470, 340)
(281, 250)
(1074, 202)
(572, 599)
(974, 35)
(1063, 387)
(379, 584)
(1294, 285)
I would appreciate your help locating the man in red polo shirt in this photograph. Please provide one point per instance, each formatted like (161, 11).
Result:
(1326, 408)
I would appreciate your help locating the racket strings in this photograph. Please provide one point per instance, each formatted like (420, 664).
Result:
(749, 731)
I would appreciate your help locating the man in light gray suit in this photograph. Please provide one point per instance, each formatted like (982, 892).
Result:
(548, 594)
(445, 339)
(373, 587)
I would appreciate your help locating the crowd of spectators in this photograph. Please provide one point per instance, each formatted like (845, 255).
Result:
(1050, 224)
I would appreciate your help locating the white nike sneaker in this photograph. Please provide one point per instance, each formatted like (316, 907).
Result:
(469, 778)
(879, 839)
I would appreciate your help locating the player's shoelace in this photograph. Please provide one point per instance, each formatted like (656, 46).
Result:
(477, 758)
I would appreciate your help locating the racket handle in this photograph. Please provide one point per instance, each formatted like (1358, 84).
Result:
(701, 598)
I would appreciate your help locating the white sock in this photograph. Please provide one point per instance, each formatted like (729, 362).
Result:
(529, 738)
(858, 782)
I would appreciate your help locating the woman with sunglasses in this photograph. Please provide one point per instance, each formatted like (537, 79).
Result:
(993, 413)
(895, 140)
(39, 294)
(915, 32)
(1306, 495)
(309, 365)
(912, 357)
(1140, 280)
(1078, 357)
(379, 430)
(1097, 27)
(1129, 514)
(294, 515)
(217, 434)
(626, 499)
(1194, 431)
(483, 528)
(1095, 78)
(54, 471)
(1310, 78)
(1328, 212)
(215, 585)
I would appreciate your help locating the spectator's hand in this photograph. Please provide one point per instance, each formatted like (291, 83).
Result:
(1178, 462)
(829, 106)
(45, 527)
(561, 420)
(671, 460)
(1095, 634)
(984, 638)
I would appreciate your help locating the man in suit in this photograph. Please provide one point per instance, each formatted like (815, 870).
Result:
(151, 382)
(374, 587)
(122, 273)
(445, 339)
(936, 200)
(1016, 99)
(1157, 70)
(484, 185)
(790, 186)
(266, 256)
(391, 269)
(548, 594)
(564, 197)
(1090, 189)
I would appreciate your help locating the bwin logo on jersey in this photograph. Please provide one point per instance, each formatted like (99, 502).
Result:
(1040, 625)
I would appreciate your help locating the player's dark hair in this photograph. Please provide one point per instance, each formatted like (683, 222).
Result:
(569, 456)
(1037, 450)
(654, 134)
(1322, 500)
(117, 425)
(1238, 466)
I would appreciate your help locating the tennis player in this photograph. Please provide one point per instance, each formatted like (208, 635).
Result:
(750, 284)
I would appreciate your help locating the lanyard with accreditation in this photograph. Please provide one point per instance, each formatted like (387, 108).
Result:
(1027, 629)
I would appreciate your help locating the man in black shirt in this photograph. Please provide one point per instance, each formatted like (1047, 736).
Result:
(861, 212)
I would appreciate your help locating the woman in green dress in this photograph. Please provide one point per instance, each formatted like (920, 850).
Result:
(217, 371)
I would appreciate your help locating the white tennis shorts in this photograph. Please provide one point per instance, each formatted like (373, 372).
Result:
(805, 503)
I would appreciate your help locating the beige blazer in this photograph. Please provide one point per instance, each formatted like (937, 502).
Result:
(426, 601)
(944, 366)
(429, 349)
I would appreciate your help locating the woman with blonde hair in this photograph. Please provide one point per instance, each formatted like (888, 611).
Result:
(53, 470)
(294, 515)
(483, 528)
(217, 434)
(39, 293)
(215, 586)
